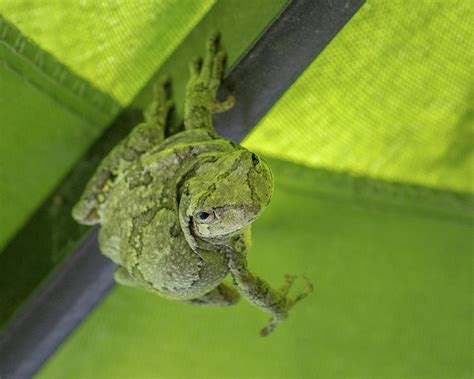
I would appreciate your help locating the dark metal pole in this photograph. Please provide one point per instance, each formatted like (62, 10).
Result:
(72, 292)
(278, 59)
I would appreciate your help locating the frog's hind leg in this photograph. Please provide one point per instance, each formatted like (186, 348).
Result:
(140, 140)
(222, 295)
(201, 91)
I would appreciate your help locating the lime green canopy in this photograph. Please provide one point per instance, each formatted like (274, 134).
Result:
(388, 101)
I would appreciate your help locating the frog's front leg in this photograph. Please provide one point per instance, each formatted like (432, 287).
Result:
(222, 295)
(201, 91)
(142, 138)
(259, 293)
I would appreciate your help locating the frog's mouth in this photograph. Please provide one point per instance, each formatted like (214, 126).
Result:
(229, 221)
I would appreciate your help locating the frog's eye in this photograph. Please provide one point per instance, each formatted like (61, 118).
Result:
(205, 217)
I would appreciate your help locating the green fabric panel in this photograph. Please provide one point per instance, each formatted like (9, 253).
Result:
(391, 97)
(392, 297)
(115, 45)
(396, 80)
(48, 118)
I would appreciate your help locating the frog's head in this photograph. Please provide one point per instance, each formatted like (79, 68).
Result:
(226, 194)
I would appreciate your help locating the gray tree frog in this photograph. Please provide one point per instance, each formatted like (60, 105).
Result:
(175, 204)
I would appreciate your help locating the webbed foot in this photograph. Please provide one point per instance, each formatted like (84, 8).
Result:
(201, 92)
(284, 289)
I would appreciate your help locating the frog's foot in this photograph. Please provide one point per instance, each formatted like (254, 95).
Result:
(159, 110)
(220, 296)
(258, 292)
(209, 73)
(290, 302)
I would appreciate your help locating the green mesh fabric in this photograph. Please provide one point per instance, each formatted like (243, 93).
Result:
(397, 80)
(117, 45)
(391, 97)
(48, 117)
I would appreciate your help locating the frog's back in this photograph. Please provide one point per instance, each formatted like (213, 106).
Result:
(141, 229)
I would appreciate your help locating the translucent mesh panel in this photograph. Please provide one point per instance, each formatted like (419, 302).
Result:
(391, 97)
(117, 45)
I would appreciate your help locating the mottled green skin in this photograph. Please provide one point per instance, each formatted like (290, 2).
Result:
(150, 192)
(148, 225)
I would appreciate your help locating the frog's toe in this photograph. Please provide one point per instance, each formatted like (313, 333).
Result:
(274, 321)
(162, 90)
(85, 213)
(208, 63)
(195, 67)
(217, 73)
(287, 284)
(268, 329)
(223, 106)
(213, 43)
(307, 290)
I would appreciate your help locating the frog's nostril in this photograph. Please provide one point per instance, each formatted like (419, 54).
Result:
(255, 159)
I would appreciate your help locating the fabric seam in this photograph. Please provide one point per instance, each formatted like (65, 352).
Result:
(370, 192)
(30, 57)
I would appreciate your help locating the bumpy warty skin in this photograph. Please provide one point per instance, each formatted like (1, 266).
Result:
(141, 230)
